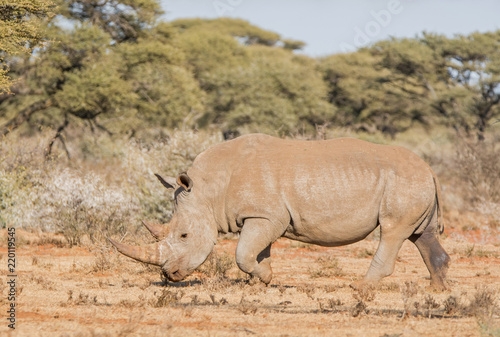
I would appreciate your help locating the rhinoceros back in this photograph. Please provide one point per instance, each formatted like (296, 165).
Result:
(329, 192)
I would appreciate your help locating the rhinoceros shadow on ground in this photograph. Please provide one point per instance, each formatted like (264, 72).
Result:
(182, 284)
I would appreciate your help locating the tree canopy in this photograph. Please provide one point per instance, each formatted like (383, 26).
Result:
(20, 25)
(430, 80)
(114, 66)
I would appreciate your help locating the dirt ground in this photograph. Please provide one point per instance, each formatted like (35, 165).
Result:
(94, 291)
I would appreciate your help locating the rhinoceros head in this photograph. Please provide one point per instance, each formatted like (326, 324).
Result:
(185, 243)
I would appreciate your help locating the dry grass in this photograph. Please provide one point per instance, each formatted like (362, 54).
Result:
(472, 181)
(217, 265)
(166, 298)
(102, 292)
(327, 267)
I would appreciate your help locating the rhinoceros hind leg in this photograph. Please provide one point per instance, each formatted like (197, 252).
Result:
(383, 261)
(253, 253)
(434, 256)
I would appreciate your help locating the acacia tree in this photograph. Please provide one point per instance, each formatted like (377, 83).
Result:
(20, 26)
(79, 74)
(122, 20)
(432, 79)
(472, 74)
(251, 78)
(373, 89)
(276, 91)
(116, 78)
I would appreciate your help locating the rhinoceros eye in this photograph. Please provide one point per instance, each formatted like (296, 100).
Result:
(184, 235)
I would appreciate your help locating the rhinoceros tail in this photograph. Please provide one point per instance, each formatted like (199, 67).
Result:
(439, 204)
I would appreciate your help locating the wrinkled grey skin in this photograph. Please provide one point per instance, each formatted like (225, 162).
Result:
(330, 193)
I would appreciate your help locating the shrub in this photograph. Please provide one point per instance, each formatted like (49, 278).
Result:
(92, 197)
(217, 264)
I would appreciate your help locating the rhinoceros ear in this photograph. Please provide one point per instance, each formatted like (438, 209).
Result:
(184, 181)
(168, 182)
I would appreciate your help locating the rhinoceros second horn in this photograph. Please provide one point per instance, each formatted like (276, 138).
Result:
(158, 231)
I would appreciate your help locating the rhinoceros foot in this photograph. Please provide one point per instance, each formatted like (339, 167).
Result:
(363, 285)
(438, 286)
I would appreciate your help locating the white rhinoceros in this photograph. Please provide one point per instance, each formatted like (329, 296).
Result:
(330, 193)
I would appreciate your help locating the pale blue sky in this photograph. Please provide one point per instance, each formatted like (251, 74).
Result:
(331, 26)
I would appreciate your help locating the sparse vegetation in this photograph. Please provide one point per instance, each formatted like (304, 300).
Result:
(102, 262)
(166, 298)
(81, 299)
(217, 265)
(121, 288)
(408, 290)
(330, 305)
(484, 303)
(308, 289)
(328, 267)
(362, 295)
(247, 307)
(365, 253)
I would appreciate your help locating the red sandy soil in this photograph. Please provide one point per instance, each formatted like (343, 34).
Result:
(93, 291)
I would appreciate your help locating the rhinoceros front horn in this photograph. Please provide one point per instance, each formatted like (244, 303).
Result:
(148, 254)
(158, 231)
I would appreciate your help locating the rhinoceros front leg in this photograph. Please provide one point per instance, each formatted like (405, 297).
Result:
(253, 253)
